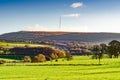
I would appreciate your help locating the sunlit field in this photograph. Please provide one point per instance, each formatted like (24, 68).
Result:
(88, 69)
(15, 44)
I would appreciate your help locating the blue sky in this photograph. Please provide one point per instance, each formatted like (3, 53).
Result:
(76, 15)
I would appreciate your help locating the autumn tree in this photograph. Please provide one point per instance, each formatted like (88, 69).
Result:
(60, 54)
(39, 58)
(54, 56)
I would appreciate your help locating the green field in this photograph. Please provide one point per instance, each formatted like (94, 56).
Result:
(18, 44)
(88, 69)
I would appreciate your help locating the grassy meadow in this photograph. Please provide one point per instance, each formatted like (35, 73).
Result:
(18, 44)
(88, 69)
(80, 68)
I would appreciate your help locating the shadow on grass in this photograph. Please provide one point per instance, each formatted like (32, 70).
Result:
(15, 57)
(103, 72)
(32, 64)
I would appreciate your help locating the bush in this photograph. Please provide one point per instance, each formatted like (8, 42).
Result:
(56, 60)
(60, 54)
(15, 61)
(48, 58)
(69, 57)
(26, 59)
(39, 58)
(54, 56)
(2, 61)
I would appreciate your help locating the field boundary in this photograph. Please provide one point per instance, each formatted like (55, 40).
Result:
(37, 64)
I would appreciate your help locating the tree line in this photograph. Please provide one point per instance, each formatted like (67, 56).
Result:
(41, 54)
(37, 54)
(112, 49)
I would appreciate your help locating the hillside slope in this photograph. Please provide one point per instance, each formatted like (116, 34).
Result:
(64, 36)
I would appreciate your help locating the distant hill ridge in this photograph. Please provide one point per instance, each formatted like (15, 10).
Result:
(64, 36)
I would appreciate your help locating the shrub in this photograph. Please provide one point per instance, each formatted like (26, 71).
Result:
(39, 58)
(56, 60)
(54, 56)
(35, 59)
(61, 54)
(15, 61)
(48, 58)
(69, 57)
(2, 61)
(26, 59)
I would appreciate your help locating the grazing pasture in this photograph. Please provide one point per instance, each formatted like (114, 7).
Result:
(20, 44)
(88, 69)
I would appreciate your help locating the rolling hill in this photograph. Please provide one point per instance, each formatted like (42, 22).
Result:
(60, 36)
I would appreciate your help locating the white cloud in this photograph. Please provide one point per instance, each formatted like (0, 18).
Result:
(37, 27)
(77, 4)
(71, 15)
